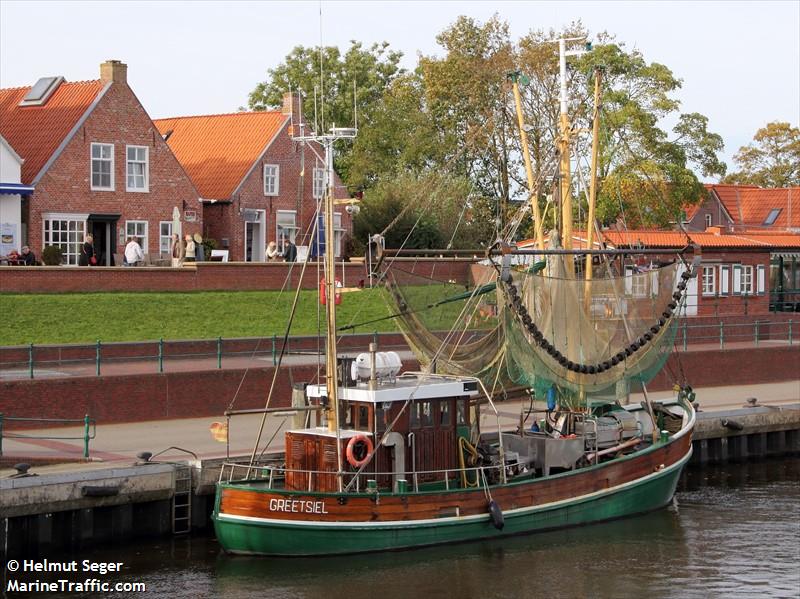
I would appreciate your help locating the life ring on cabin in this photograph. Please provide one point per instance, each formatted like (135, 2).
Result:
(364, 442)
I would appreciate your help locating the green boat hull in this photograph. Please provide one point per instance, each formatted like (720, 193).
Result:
(256, 536)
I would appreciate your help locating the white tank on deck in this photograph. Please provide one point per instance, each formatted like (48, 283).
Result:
(387, 365)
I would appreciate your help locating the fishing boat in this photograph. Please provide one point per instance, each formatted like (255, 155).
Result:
(383, 459)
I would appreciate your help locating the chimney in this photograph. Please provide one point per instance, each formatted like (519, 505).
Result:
(292, 105)
(114, 71)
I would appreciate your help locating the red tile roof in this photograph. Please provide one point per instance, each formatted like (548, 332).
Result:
(749, 206)
(218, 151)
(665, 239)
(35, 132)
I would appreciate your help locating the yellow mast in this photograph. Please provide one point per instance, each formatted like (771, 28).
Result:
(537, 217)
(563, 149)
(593, 171)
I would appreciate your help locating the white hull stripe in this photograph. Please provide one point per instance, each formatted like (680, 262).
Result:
(463, 519)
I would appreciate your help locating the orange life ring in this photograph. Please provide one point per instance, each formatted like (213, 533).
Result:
(351, 444)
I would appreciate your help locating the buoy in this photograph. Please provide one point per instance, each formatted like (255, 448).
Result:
(496, 514)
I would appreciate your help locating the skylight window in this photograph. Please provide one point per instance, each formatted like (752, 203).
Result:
(41, 91)
(772, 216)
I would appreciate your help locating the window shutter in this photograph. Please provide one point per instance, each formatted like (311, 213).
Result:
(724, 280)
(628, 280)
(761, 280)
(737, 279)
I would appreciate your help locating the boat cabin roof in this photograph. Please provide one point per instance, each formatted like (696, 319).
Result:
(416, 386)
(322, 431)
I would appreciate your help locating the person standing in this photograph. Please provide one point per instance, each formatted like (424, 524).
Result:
(27, 256)
(87, 257)
(177, 250)
(199, 249)
(190, 249)
(133, 253)
(272, 252)
(289, 251)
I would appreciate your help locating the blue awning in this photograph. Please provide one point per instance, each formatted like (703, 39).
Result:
(16, 188)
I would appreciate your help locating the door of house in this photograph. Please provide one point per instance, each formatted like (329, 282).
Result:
(255, 236)
(103, 228)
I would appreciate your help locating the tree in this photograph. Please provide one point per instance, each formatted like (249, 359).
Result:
(772, 161)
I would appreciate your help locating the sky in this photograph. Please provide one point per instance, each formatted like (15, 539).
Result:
(739, 61)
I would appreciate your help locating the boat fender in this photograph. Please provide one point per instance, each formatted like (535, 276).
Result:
(351, 445)
(496, 514)
(732, 424)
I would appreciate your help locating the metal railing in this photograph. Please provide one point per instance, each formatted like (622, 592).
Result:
(24, 361)
(89, 430)
(272, 473)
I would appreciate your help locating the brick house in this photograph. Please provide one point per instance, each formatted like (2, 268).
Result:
(96, 163)
(746, 208)
(11, 191)
(256, 183)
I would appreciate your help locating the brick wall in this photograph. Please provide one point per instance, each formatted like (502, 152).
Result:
(120, 119)
(212, 276)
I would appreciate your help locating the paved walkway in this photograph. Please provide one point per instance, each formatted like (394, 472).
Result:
(119, 443)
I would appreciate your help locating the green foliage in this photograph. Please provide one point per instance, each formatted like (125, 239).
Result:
(773, 160)
(52, 255)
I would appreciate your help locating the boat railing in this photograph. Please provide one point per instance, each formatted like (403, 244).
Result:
(273, 473)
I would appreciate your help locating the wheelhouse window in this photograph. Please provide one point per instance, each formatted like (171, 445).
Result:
(709, 280)
(138, 229)
(444, 413)
(102, 167)
(285, 228)
(138, 168)
(271, 179)
(165, 237)
(318, 188)
(67, 234)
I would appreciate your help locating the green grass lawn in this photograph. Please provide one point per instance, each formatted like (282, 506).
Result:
(87, 317)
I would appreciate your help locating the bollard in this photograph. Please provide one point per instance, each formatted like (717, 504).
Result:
(755, 328)
(86, 436)
(30, 360)
(161, 355)
(219, 352)
(97, 358)
(721, 335)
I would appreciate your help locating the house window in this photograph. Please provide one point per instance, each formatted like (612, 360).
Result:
(709, 280)
(271, 179)
(138, 229)
(285, 227)
(708, 220)
(724, 280)
(319, 183)
(635, 282)
(747, 280)
(102, 167)
(138, 169)
(66, 234)
(165, 237)
(338, 233)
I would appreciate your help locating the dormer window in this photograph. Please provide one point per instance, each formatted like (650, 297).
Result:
(772, 217)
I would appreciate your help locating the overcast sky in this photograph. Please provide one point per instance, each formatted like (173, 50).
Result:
(739, 61)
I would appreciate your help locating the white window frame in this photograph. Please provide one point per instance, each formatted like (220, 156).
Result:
(101, 159)
(162, 248)
(338, 233)
(709, 220)
(145, 175)
(69, 239)
(737, 279)
(724, 279)
(748, 282)
(272, 181)
(318, 183)
(143, 238)
(709, 286)
(635, 283)
(284, 230)
(761, 279)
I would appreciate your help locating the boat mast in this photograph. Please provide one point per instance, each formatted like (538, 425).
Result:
(327, 141)
(598, 76)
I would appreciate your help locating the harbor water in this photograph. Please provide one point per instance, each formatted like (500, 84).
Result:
(733, 530)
